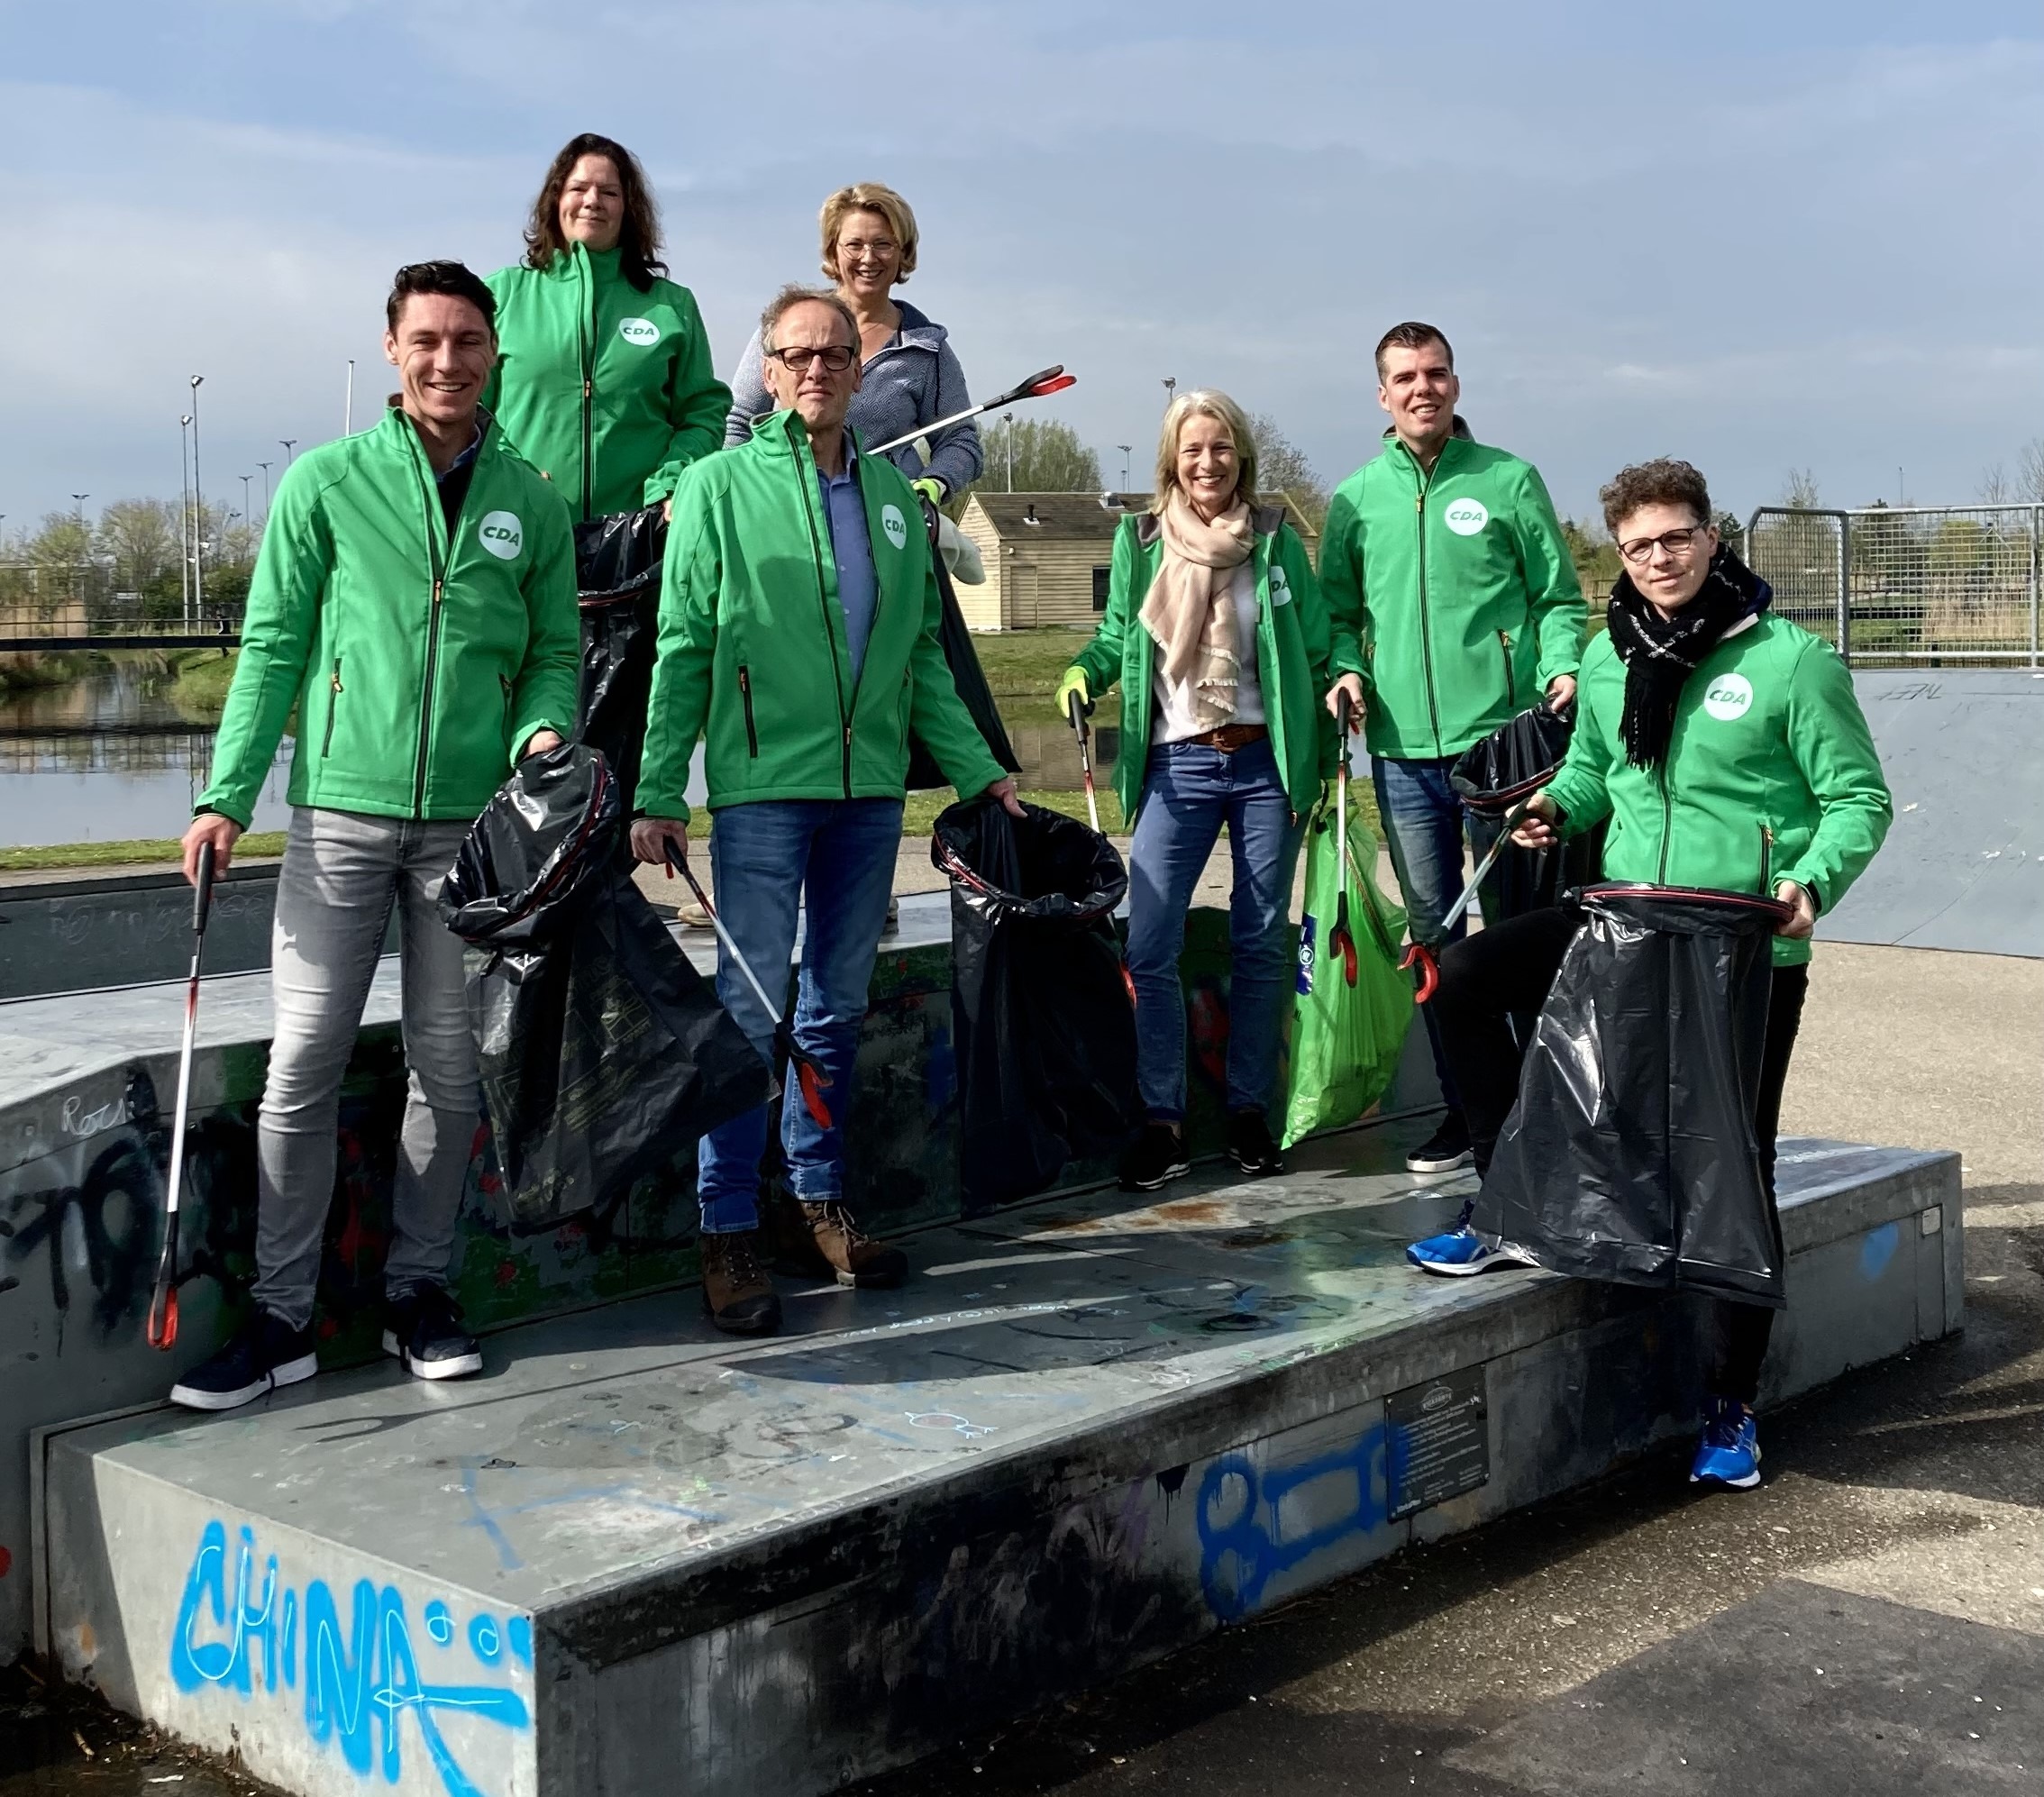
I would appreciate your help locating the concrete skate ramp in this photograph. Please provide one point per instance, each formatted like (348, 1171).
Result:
(1964, 866)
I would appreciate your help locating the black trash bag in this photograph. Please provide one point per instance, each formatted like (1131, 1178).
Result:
(1513, 762)
(1631, 1155)
(602, 1052)
(966, 675)
(1041, 1008)
(617, 565)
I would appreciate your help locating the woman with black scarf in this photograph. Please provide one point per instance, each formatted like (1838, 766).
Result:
(1727, 748)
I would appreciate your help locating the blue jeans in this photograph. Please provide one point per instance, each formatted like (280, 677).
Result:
(765, 858)
(1424, 826)
(1189, 793)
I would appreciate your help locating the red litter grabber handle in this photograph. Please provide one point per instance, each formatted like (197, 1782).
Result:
(1428, 976)
(1052, 379)
(809, 1074)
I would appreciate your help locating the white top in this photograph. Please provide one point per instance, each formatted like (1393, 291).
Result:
(1171, 718)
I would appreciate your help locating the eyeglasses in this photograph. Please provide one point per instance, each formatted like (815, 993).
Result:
(1676, 542)
(836, 358)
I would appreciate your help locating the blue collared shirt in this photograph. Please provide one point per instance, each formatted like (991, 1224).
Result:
(852, 548)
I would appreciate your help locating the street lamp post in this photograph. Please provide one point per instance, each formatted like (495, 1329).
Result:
(185, 514)
(246, 514)
(1170, 387)
(286, 442)
(1123, 448)
(198, 512)
(265, 467)
(347, 417)
(77, 511)
(1007, 430)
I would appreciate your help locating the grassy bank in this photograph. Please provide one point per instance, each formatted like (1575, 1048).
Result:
(123, 854)
(33, 672)
(201, 678)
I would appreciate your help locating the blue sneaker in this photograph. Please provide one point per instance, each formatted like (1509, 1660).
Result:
(1729, 1451)
(1460, 1250)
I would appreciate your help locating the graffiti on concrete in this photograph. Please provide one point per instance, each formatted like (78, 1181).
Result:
(243, 1627)
(1256, 1525)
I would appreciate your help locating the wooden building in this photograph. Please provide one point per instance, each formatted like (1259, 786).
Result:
(1047, 555)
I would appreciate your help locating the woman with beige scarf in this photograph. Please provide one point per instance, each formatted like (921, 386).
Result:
(1215, 631)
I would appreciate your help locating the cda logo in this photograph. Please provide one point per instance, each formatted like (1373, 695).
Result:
(1465, 517)
(895, 525)
(502, 534)
(1727, 696)
(1281, 586)
(643, 332)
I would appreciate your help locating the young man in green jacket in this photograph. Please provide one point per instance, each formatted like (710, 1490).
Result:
(1727, 748)
(798, 638)
(1443, 564)
(415, 601)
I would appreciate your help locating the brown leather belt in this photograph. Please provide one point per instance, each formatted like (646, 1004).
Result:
(1230, 738)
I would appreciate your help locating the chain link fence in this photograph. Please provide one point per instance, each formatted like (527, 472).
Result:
(1911, 585)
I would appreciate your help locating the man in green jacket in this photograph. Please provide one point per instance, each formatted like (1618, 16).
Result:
(415, 601)
(1445, 567)
(798, 638)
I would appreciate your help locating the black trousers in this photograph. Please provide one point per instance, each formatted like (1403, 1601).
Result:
(1505, 971)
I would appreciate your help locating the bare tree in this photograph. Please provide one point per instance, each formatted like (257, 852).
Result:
(141, 537)
(1281, 467)
(1048, 458)
(2029, 472)
(1799, 490)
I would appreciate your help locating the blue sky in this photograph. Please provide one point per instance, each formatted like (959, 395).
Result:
(1763, 237)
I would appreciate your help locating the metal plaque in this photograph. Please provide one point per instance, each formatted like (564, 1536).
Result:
(1441, 1442)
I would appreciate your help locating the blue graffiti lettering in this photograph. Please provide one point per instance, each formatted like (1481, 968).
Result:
(1244, 1540)
(360, 1680)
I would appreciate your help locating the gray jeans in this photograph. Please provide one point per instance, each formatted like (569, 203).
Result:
(342, 872)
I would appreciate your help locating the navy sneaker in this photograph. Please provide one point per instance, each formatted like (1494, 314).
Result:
(1250, 1145)
(1445, 1150)
(1461, 1251)
(1156, 1157)
(423, 1329)
(265, 1352)
(1729, 1451)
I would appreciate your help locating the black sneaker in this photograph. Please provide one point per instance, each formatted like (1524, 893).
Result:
(1445, 1150)
(1155, 1156)
(264, 1353)
(1250, 1146)
(424, 1330)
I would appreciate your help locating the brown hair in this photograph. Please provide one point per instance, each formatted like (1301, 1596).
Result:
(638, 242)
(1414, 336)
(793, 295)
(1663, 481)
(868, 196)
(455, 279)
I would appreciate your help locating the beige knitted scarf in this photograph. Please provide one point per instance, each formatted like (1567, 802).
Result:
(1189, 610)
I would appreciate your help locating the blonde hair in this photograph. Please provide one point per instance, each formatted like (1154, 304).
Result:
(1205, 402)
(868, 196)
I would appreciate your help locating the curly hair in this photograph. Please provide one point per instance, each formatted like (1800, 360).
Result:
(638, 242)
(1663, 481)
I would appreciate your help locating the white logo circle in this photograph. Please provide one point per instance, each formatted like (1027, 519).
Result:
(1281, 586)
(1729, 696)
(502, 534)
(643, 332)
(895, 525)
(1465, 517)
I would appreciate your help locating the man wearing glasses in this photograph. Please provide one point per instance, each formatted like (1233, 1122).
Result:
(797, 637)
(1445, 558)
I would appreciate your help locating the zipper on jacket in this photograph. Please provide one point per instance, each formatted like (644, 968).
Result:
(1426, 627)
(1766, 861)
(806, 491)
(504, 681)
(326, 741)
(1510, 684)
(588, 398)
(430, 497)
(746, 696)
(1667, 824)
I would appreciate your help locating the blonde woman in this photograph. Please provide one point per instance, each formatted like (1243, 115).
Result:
(910, 376)
(1215, 629)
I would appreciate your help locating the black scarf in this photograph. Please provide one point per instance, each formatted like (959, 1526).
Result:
(1661, 652)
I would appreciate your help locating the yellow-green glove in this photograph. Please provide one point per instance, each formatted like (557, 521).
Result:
(1073, 682)
(932, 489)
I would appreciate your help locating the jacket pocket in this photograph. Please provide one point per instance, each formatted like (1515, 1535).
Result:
(746, 698)
(333, 710)
(1511, 679)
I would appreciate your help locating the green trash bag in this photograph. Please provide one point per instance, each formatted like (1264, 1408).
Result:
(1350, 1013)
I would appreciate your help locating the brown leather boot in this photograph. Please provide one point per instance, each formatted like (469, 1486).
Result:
(736, 1292)
(856, 1259)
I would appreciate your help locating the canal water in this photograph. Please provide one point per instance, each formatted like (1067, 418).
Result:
(111, 757)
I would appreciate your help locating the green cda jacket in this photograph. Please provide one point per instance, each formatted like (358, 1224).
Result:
(752, 651)
(1459, 590)
(1292, 654)
(1771, 773)
(419, 658)
(605, 390)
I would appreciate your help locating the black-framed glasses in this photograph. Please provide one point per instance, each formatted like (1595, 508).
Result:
(836, 359)
(1676, 542)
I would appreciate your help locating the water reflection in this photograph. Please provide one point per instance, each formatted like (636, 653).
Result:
(109, 758)
(1049, 754)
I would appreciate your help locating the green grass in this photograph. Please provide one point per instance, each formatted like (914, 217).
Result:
(920, 813)
(203, 679)
(124, 853)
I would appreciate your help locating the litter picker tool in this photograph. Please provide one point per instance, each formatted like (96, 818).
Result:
(1418, 955)
(1341, 939)
(1077, 713)
(162, 1325)
(809, 1073)
(1053, 379)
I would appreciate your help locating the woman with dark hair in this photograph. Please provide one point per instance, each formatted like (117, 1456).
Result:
(604, 380)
